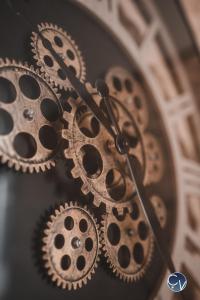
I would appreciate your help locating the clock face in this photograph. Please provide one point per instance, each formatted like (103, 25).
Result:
(69, 209)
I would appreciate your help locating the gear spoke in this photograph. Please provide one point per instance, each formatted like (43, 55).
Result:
(71, 246)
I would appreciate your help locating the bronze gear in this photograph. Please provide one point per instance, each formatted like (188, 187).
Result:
(102, 169)
(65, 47)
(71, 246)
(127, 243)
(123, 86)
(27, 127)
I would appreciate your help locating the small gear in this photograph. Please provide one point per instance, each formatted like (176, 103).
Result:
(160, 209)
(154, 159)
(127, 243)
(67, 49)
(103, 170)
(71, 246)
(30, 118)
(123, 86)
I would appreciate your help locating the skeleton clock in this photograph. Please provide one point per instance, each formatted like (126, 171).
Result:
(99, 150)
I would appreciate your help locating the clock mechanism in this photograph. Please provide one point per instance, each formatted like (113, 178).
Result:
(98, 133)
(71, 242)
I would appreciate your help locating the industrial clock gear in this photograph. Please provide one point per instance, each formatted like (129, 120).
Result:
(101, 167)
(66, 48)
(154, 159)
(30, 115)
(71, 246)
(122, 85)
(160, 209)
(127, 243)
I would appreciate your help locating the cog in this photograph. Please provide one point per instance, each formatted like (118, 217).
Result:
(160, 209)
(30, 118)
(127, 243)
(103, 170)
(154, 159)
(65, 47)
(123, 86)
(71, 246)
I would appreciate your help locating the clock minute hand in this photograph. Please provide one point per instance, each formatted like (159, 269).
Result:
(79, 87)
(75, 82)
(123, 148)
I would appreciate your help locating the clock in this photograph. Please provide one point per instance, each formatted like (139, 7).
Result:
(99, 150)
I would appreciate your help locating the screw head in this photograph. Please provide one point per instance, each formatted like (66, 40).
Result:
(28, 114)
(76, 243)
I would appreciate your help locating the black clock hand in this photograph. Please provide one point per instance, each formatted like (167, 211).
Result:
(78, 86)
(122, 146)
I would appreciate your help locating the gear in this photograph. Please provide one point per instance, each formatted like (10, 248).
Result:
(103, 170)
(71, 246)
(123, 86)
(30, 118)
(154, 159)
(160, 210)
(127, 243)
(65, 47)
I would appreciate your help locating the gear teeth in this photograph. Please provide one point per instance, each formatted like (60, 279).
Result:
(75, 172)
(72, 102)
(15, 162)
(96, 202)
(119, 273)
(54, 79)
(48, 256)
(85, 189)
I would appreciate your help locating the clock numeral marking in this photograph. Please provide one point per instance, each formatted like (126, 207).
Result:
(180, 106)
(132, 20)
(193, 289)
(193, 210)
(109, 2)
(191, 177)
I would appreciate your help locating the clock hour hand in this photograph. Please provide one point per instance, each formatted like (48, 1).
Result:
(123, 148)
(79, 87)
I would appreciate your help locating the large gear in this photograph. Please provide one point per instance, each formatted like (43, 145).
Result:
(65, 47)
(102, 169)
(71, 246)
(123, 86)
(127, 243)
(30, 118)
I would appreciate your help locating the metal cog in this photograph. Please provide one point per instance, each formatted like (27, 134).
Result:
(154, 159)
(127, 243)
(122, 85)
(71, 246)
(102, 169)
(26, 126)
(160, 209)
(65, 47)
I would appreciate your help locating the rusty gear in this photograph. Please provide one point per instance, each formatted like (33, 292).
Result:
(124, 87)
(65, 47)
(71, 246)
(30, 133)
(154, 159)
(160, 209)
(127, 243)
(102, 169)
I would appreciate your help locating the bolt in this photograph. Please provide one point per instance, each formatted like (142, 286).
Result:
(28, 114)
(76, 243)
(130, 232)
